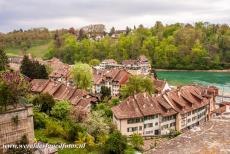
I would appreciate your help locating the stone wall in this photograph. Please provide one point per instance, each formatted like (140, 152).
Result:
(16, 123)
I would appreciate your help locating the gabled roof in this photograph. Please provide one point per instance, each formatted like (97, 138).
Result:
(141, 105)
(115, 75)
(187, 98)
(182, 100)
(60, 91)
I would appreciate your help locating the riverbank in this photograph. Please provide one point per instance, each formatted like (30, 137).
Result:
(173, 70)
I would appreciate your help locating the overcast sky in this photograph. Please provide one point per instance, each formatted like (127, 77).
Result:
(15, 14)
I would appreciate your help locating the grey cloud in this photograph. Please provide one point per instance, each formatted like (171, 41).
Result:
(14, 12)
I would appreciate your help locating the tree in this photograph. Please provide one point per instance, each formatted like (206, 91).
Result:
(13, 87)
(96, 123)
(94, 62)
(112, 31)
(105, 91)
(33, 69)
(137, 84)
(6, 96)
(44, 102)
(3, 60)
(116, 143)
(78, 114)
(82, 35)
(136, 140)
(61, 109)
(82, 75)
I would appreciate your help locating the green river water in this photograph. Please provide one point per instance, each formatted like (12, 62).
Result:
(221, 80)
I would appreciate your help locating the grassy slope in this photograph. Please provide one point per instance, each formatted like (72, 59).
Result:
(38, 50)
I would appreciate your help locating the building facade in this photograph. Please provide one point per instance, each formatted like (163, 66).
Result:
(150, 115)
(113, 79)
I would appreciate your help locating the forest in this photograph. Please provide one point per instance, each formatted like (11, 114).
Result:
(175, 46)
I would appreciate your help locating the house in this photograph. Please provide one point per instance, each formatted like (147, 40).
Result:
(113, 79)
(59, 70)
(16, 123)
(79, 98)
(137, 67)
(161, 86)
(108, 63)
(151, 115)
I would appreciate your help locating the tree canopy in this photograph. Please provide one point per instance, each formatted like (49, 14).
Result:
(175, 46)
(137, 84)
(82, 75)
(3, 59)
(33, 69)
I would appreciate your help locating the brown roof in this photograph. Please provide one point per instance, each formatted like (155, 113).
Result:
(182, 100)
(116, 75)
(159, 84)
(59, 69)
(187, 98)
(141, 105)
(60, 91)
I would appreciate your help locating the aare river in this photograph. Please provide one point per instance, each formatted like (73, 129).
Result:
(220, 80)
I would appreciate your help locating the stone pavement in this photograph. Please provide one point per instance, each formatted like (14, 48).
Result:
(212, 137)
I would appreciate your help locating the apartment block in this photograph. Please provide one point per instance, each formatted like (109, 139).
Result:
(151, 115)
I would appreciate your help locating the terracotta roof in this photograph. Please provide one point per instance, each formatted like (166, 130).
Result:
(38, 85)
(115, 75)
(59, 69)
(182, 100)
(220, 110)
(159, 84)
(187, 98)
(141, 105)
(60, 91)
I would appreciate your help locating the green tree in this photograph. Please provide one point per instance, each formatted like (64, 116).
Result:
(82, 75)
(112, 31)
(116, 143)
(33, 69)
(137, 84)
(96, 123)
(61, 109)
(43, 102)
(136, 140)
(13, 88)
(105, 91)
(3, 60)
(7, 97)
(94, 62)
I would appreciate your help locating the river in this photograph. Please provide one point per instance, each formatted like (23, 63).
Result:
(220, 80)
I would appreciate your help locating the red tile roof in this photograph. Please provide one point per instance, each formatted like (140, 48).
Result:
(115, 75)
(60, 91)
(182, 100)
(141, 105)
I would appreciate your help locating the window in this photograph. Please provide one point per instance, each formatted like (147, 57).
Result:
(149, 132)
(189, 120)
(173, 124)
(140, 127)
(134, 120)
(156, 123)
(132, 129)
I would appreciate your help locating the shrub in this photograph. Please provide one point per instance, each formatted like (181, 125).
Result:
(54, 129)
(61, 109)
(39, 120)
